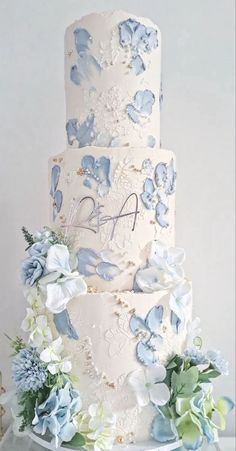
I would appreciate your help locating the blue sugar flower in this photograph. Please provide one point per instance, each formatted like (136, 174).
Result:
(32, 269)
(56, 413)
(197, 357)
(163, 429)
(39, 249)
(218, 362)
(28, 372)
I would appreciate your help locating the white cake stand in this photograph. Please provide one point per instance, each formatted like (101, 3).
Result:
(147, 446)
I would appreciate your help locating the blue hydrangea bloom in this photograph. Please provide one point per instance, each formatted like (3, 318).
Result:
(28, 371)
(55, 414)
(32, 269)
(197, 357)
(216, 360)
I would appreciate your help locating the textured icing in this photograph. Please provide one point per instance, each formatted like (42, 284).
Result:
(112, 62)
(106, 351)
(111, 214)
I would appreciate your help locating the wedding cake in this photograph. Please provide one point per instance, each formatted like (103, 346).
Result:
(113, 354)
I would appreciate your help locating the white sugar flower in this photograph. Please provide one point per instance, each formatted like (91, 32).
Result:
(41, 334)
(34, 298)
(28, 324)
(180, 298)
(148, 386)
(52, 356)
(152, 279)
(62, 284)
(169, 260)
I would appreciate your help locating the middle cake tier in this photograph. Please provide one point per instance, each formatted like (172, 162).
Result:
(114, 203)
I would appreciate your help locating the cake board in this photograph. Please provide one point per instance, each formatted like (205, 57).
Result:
(147, 446)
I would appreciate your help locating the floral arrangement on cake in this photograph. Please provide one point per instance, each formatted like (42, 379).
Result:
(47, 400)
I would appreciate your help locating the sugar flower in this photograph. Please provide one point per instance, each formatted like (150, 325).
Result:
(98, 427)
(218, 362)
(56, 413)
(41, 333)
(29, 373)
(196, 357)
(164, 269)
(32, 270)
(62, 284)
(180, 298)
(52, 356)
(34, 298)
(149, 387)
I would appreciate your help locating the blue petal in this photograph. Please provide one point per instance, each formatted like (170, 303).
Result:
(87, 261)
(64, 326)
(82, 40)
(155, 342)
(138, 65)
(144, 101)
(151, 141)
(75, 75)
(176, 323)
(162, 430)
(71, 128)
(88, 162)
(149, 186)
(138, 325)
(58, 199)
(87, 183)
(133, 114)
(145, 355)
(107, 271)
(154, 318)
(160, 174)
(105, 169)
(161, 211)
(126, 30)
(85, 132)
(55, 176)
(170, 183)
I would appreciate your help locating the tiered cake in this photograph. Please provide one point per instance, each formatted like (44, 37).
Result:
(111, 355)
(113, 189)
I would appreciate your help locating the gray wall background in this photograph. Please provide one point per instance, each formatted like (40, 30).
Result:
(197, 123)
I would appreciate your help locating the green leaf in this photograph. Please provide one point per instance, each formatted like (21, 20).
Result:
(184, 384)
(206, 376)
(77, 442)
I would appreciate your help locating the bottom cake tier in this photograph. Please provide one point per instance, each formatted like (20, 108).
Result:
(113, 335)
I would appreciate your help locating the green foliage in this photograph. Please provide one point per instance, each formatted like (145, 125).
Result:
(28, 237)
(184, 383)
(77, 442)
(59, 237)
(17, 344)
(207, 375)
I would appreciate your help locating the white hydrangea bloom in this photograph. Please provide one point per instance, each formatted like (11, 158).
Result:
(52, 356)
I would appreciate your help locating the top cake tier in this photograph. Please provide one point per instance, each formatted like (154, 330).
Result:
(113, 81)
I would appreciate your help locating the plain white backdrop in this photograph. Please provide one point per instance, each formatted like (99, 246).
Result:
(197, 123)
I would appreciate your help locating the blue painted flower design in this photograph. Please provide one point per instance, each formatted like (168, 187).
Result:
(91, 263)
(86, 64)
(141, 108)
(83, 133)
(139, 39)
(98, 171)
(147, 331)
(54, 192)
(157, 189)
